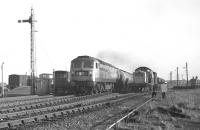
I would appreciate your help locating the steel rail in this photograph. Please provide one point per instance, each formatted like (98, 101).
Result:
(46, 104)
(43, 100)
(53, 113)
(114, 124)
(83, 102)
(22, 98)
(29, 101)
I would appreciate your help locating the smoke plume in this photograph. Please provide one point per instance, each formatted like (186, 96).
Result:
(120, 60)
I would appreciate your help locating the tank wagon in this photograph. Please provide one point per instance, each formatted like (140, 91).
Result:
(16, 80)
(61, 83)
(43, 86)
(143, 79)
(90, 75)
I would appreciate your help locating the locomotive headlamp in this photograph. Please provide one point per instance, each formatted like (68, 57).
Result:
(90, 73)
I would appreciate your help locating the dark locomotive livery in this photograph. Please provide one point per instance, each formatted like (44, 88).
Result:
(143, 79)
(90, 75)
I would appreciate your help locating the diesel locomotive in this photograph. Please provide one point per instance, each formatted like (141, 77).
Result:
(143, 79)
(90, 75)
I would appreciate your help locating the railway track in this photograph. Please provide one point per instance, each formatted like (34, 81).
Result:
(111, 121)
(38, 105)
(11, 116)
(15, 119)
(40, 100)
(78, 113)
(22, 98)
(30, 101)
(126, 115)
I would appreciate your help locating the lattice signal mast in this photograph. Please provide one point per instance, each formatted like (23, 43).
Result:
(31, 21)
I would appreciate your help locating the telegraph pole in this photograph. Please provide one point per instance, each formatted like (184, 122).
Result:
(54, 88)
(2, 80)
(171, 77)
(31, 21)
(177, 76)
(187, 73)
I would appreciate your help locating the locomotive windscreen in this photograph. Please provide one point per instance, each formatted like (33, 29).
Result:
(77, 64)
(140, 74)
(83, 63)
(88, 64)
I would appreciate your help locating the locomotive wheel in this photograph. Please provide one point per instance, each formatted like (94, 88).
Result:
(93, 91)
(98, 88)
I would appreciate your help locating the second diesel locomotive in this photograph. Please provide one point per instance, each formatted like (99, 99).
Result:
(90, 75)
(143, 79)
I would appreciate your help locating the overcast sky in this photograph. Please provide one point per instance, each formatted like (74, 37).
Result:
(159, 34)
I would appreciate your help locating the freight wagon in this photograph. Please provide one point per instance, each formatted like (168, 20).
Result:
(15, 81)
(43, 86)
(48, 77)
(61, 83)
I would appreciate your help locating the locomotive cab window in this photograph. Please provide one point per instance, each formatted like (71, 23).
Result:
(88, 64)
(77, 64)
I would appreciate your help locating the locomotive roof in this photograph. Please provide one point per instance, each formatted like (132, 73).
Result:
(102, 62)
(143, 68)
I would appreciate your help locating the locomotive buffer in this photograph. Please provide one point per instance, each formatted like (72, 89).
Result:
(31, 21)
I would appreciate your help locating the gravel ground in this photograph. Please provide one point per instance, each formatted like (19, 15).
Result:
(149, 117)
(88, 121)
